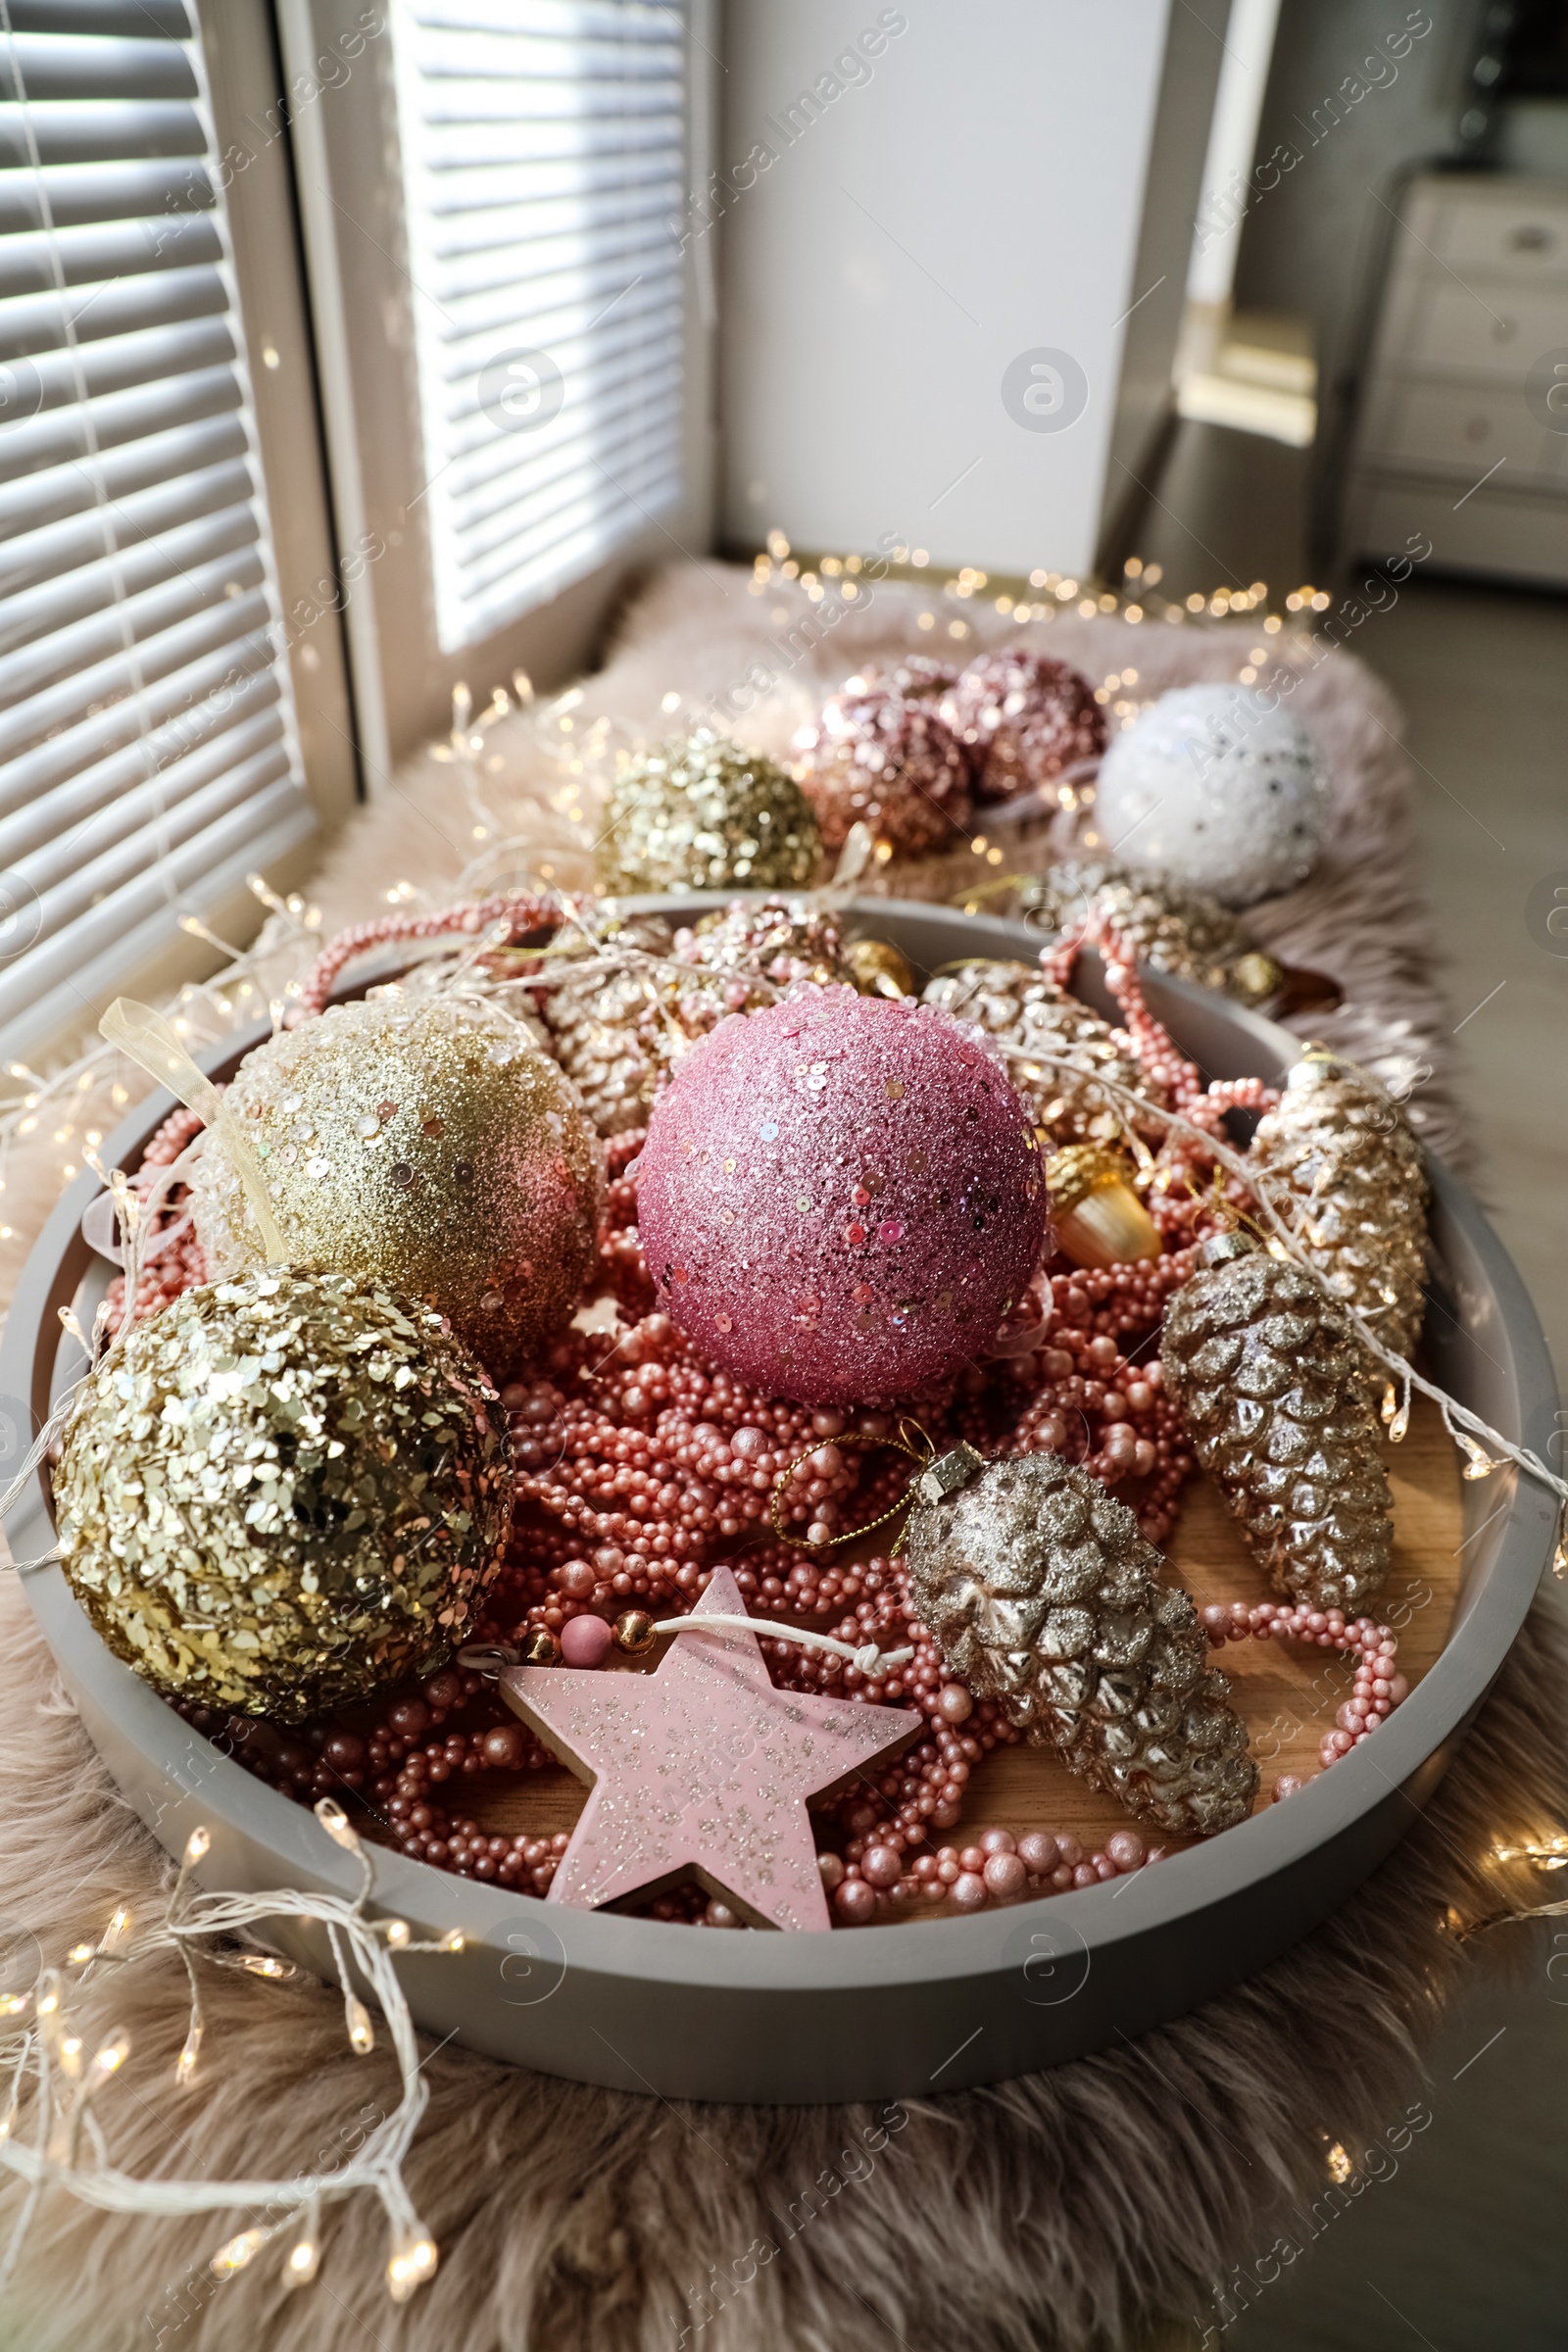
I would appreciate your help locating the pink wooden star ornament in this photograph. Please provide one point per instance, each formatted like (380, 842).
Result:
(701, 1769)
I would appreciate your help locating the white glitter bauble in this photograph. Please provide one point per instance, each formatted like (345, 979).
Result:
(1217, 788)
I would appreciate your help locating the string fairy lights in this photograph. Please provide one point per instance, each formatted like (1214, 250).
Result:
(51, 2081)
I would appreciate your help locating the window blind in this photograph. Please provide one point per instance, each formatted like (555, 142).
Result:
(147, 750)
(543, 156)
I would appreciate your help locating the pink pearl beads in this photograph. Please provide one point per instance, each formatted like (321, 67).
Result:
(1378, 1687)
(997, 1869)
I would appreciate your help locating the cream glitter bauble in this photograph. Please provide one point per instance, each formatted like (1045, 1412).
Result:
(1217, 788)
(284, 1493)
(427, 1144)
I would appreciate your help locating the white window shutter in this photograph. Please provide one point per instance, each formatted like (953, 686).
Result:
(148, 756)
(544, 146)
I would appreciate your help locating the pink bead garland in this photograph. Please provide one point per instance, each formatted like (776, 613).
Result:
(1379, 1686)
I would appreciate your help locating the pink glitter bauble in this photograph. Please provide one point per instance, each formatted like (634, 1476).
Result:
(1023, 718)
(839, 1196)
(893, 764)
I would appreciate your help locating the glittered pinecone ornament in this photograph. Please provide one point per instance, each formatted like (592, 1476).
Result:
(1357, 1189)
(284, 1493)
(1270, 1380)
(1183, 932)
(875, 758)
(620, 1018)
(424, 1142)
(701, 813)
(781, 939)
(1041, 1593)
(1024, 720)
(1018, 1005)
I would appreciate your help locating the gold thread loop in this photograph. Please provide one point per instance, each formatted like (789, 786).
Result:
(920, 1451)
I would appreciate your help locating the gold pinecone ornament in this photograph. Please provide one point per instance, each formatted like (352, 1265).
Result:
(1182, 932)
(1016, 1004)
(619, 1018)
(1041, 1593)
(1270, 1378)
(1339, 1147)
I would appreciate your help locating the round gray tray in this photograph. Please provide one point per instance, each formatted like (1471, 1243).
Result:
(879, 2012)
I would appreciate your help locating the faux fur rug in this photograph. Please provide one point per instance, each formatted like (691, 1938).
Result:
(1075, 2207)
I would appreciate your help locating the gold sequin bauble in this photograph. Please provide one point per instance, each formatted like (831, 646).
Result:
(1041, 1593)
(425, 1142)
(1271, 1385)
(1346, 1170)
(1183, 932)
(282, 1493)
(704, 813)
(1018, 1005)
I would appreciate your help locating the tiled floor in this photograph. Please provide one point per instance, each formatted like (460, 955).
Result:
(1461, 2250)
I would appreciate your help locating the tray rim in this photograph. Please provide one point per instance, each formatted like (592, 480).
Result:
(933, 1955)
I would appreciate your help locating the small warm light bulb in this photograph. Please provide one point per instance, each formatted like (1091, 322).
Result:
(118, 1928)
(11, 2004)
(1340, 2166)
(111, 2056)
(397, 1933)
(265, 1964)
(335, 1822)
(361, 2034)
(1399, 1425)
(1390, 1400)
(197, 1845)
(304, 2261)
(68, 2052)
(453, 1941)
(185, 2065)
(237, 2253)
(1480, 1463)
(412, 2261)
(80, 1953)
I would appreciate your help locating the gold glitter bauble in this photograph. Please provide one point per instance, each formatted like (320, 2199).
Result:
(704, 813)
(425, 1142)
(282, 1493)
(1346, 1171)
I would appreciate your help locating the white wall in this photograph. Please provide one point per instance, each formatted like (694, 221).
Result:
(977, 191)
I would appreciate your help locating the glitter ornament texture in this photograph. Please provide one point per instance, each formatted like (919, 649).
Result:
(1271, 1381)
(1222, 790)
(1024, 719)
(1346, 1170)
(1184, 932)
(781, 939)
(284, 1492)
(425, 1142)
(1042, 1593)
(1018, 1005)
(701, 813)
(702, 1770)
(839, 1196)
(875, 758)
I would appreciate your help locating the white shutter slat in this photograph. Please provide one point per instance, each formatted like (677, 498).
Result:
(544, 147)
(148, 748)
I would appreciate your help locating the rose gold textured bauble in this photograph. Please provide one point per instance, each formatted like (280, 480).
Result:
(916, 676)
(875, 758)
(427, 1143)
(1024, 719)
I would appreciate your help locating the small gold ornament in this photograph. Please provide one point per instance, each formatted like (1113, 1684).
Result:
(1345, 1169)
(635, 1632)
(284, 1493)
(424, 1142)
(701, 813)
(539, 1648)
(1018, 1005)
(1099, 1218)
(880, 969)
